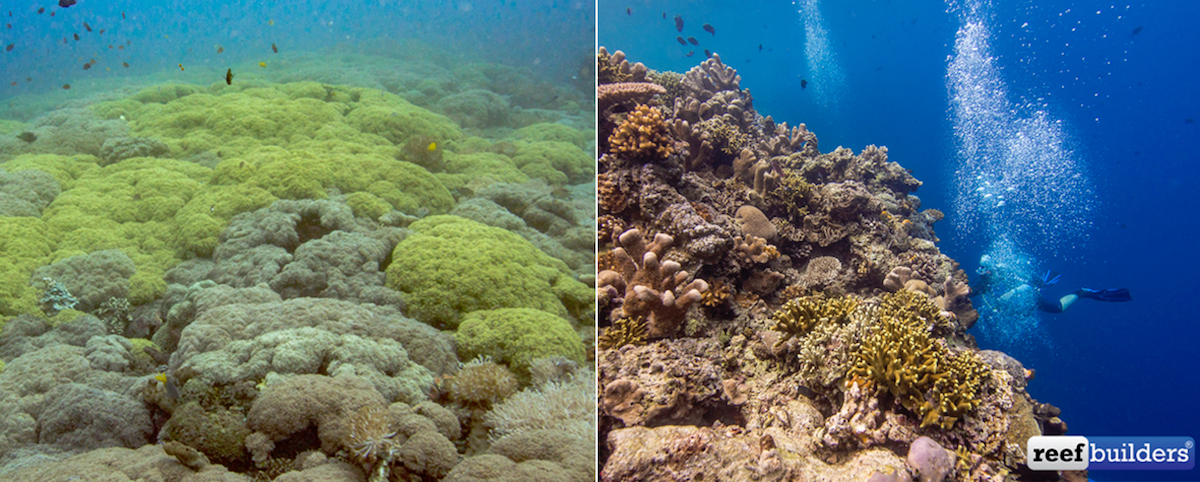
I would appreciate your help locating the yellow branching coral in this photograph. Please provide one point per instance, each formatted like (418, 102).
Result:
(624, 331)
(799, 316)
(643, 135)
(898, 353)
(717, 294)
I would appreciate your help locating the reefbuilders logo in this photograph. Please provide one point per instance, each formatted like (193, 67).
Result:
(1110, 453)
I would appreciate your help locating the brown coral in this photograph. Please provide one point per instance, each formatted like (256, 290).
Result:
(652, 289)
(754, 249)
(643, 135)
(625, 93)
(608, 194)
(482, 382)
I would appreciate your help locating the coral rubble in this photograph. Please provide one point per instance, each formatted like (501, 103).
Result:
(800, 321)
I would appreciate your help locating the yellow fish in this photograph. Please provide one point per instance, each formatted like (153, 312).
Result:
(161, 377)
(180, 66)
(432, 146)
(262, 64)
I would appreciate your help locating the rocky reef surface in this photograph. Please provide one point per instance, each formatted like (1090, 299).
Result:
(317, 276)
(770, 311)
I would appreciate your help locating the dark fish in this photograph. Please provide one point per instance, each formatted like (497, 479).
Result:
(229, 77)
(41, 10)
(9, 25)
(9, 48)
(88, 27)
(1136, 31)
(274, 48)
(690, 52)
(693, 41)
(122, 15)
(708, 28)
(125, 64)
(629, 10)
(664, 15)
(803, 83)
(76, 37)
(681, 40)
(29, 79)
(679, 23)
(1189, 120)
(66, 86)
(101, 31)
(51, 14)
(220, 49)
(760, 48)
(87, 66)
(120, 47)
(707, 53)
(66, 3)
(777, 168)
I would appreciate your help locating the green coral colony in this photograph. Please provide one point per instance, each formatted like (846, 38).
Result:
(275, 275)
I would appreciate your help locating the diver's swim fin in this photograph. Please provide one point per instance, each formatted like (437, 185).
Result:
(1119, 294)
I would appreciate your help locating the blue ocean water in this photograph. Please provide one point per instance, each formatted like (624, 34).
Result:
(1054, 135)
(158, 37)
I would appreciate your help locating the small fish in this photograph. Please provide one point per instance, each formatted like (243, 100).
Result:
(88, 27)
(51, 14)
(778, 170)
(760, 48)
(432, 147)
(229, 77)
(274, 48)
(693, 41)
(681, 40)
(709, 28)
(122, 15)
(14, 84)
(707, 53)
(262, 64)
(102, 31)
(66, 86)
(41, 10)
(1136, 31)
(1189, 120)
(803, 83)
(29, 79)
(9, 48)
(9, 25)
(66, 3)
(125, 64)
(128, 42)
(664, 15)
(64, 40)
(679, 23)
(76, 37)
(87, 66)
(629, 10)
(180, 67)
(270, 22)
(220, 49)
(120, 47)
(690, 52)
(110, 47)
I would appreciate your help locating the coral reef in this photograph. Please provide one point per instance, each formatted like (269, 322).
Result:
(802, 323)
(265, 280)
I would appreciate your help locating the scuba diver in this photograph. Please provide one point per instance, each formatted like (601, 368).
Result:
(983, 284)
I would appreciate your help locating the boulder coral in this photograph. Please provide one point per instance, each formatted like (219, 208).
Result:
(517, 336)
(451, 266)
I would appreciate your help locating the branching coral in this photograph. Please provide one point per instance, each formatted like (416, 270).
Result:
(799, 316)
(614, 68)
(652, 289)
(898, 354)
(643, 135)
(754, 249)
(624, 331)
